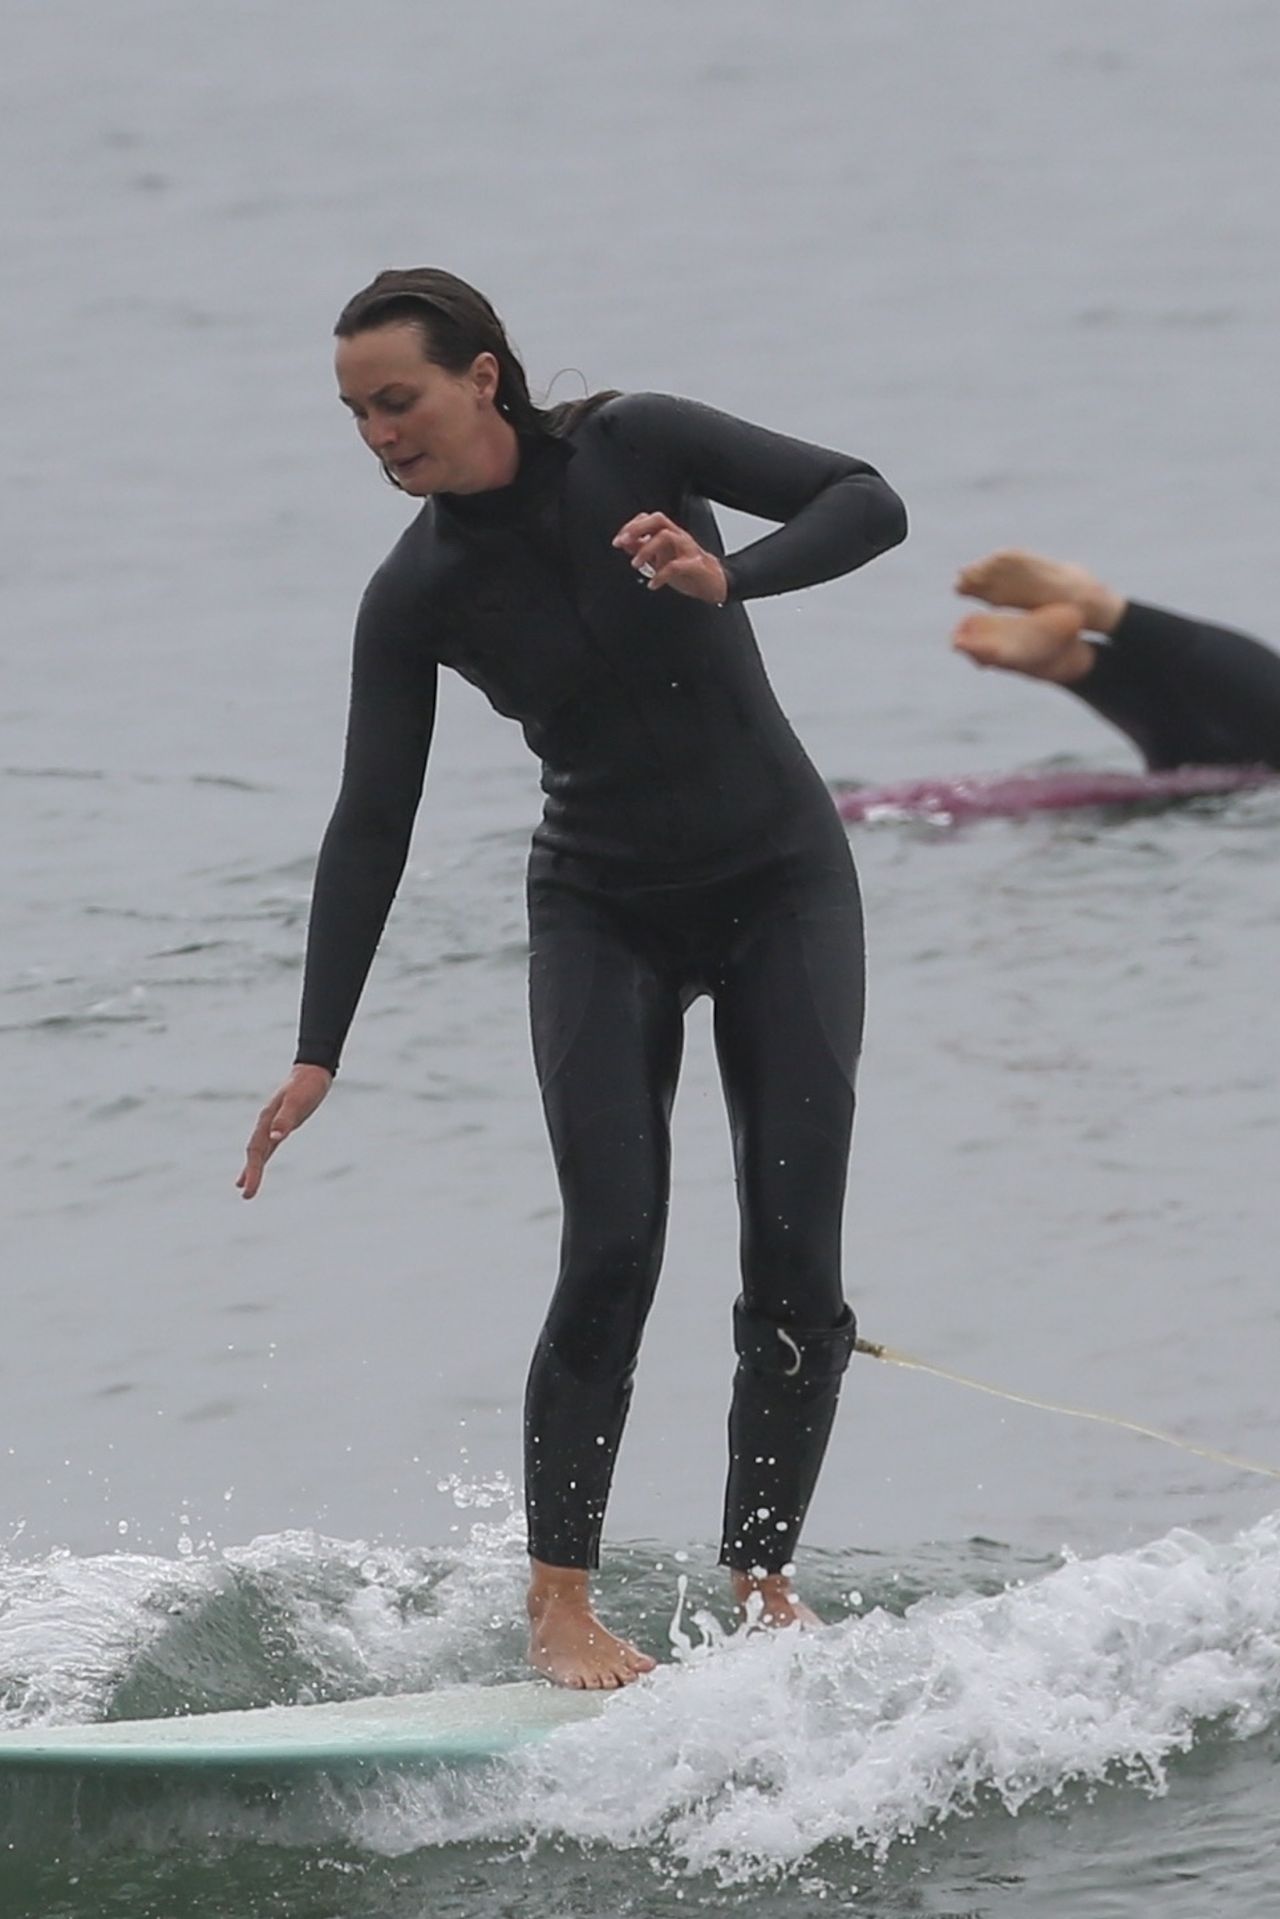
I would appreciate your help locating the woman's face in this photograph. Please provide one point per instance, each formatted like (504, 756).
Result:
(430, 428)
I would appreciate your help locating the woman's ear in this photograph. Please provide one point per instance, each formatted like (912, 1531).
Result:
(486, 377)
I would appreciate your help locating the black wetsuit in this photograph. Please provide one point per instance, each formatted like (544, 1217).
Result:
(1187, 693)
(687, 846)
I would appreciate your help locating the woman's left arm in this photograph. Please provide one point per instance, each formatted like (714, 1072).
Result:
(835, 512)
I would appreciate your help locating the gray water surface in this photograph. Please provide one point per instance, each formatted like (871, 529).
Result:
(1024, 260)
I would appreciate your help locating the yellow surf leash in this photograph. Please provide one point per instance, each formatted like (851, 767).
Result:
(892, 1357)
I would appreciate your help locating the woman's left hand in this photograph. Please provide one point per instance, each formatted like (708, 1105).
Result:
(665, 555)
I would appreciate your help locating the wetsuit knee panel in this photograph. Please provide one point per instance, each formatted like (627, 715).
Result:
(588, 1357)
(779, 1349)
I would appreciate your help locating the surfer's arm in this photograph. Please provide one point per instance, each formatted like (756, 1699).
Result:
(834, 512)
(363, 853)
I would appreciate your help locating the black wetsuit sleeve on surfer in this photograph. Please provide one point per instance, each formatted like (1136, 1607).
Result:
(835, 512)
(1187, 693)
(362, 856)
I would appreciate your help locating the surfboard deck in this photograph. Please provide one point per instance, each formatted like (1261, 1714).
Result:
(451, 1726)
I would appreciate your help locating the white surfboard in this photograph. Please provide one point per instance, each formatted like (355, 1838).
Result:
(455, 1725)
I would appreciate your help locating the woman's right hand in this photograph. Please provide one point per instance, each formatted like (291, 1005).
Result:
(283, 1113)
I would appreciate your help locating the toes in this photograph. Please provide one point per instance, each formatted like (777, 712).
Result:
(972, 637)
(593, 1661)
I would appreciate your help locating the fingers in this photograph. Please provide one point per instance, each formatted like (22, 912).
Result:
(651, 541)
(661, 550)
(683, 571)
(262, 1144)
(699, 575)
(664, 554)
(275, 1123)
(283, 1113)
(642, 527)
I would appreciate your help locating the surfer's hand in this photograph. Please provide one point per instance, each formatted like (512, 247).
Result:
(665, 555)
(283, 1113)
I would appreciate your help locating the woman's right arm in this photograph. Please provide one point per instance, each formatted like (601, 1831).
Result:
(363, 853)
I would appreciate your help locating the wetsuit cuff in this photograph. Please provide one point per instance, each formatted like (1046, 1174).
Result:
(1134, 623)
(1107, 669)
(316, 1056)
(1153, 631)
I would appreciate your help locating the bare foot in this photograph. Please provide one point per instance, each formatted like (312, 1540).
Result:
(567, 1641)
(1045, 645)
(1015, 578)
(781, 1604)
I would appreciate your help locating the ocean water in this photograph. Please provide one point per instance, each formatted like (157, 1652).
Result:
(1025, 261)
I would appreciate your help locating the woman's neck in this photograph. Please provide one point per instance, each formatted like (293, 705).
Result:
(497, 458)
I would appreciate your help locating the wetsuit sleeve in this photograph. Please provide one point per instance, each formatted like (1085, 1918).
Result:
(835, 512)
(362, 856)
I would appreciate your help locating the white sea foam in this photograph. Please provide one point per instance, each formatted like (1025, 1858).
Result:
(386, 1619)
(71, 1628)
(759, 1749)
(750, 1752)
(355, 1617)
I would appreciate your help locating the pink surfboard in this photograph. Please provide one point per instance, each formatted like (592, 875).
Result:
(980, 796)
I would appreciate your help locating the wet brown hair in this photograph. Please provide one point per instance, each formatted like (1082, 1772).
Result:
(456, 323)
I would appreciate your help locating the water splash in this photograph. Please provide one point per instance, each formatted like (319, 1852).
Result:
(760, 1750)
(70, 1629)
(752, 1755)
